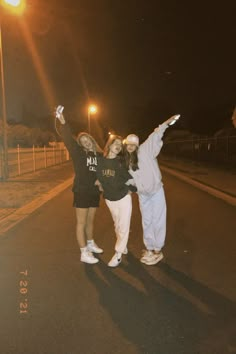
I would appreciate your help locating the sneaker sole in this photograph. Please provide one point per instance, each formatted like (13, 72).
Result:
(155, 261)
(95, 262)
(97, 252)
(144, 259)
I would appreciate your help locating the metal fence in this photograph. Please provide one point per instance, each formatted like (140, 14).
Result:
(25, 160)
(215, 149)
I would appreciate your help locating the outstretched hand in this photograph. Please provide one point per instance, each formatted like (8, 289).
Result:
(172, 120)
(59, 114)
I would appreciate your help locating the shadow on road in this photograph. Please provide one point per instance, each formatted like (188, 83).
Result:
(159, 321)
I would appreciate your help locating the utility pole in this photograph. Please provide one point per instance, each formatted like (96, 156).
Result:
(5, 171)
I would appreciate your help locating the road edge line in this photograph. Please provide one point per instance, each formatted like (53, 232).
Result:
(210, 190)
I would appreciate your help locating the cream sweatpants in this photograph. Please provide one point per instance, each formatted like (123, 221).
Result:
(121, 214)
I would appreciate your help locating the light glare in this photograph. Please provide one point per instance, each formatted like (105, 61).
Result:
(92, 109)
(14, 3)
(15, 6)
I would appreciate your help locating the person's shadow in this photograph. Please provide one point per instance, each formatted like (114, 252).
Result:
(155, 319)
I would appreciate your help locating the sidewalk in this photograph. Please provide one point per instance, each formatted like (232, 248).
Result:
(22, 195)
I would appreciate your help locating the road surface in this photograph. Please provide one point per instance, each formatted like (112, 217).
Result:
(51, 303)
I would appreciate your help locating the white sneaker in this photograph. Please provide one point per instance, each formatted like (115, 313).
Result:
(93, 247)
(153, 258)
(146, 255)
(88, 257)
(59, 114)
(115, 261)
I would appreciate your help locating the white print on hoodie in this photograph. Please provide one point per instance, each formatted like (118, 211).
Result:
(147, 177)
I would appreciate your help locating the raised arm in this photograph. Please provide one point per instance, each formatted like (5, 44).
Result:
(65, 132)
(152, 146)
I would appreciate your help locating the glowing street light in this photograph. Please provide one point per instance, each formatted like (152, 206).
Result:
(14, 3)
(16, 7)
(92, 109)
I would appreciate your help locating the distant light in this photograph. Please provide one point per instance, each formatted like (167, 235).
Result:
(111, 134)
(92, 109)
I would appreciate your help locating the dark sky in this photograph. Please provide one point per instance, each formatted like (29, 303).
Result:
(140, 61)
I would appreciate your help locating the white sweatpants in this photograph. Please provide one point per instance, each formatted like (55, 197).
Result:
(153, 211)
(121, 214)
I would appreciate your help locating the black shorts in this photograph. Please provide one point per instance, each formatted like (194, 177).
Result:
(83, 199)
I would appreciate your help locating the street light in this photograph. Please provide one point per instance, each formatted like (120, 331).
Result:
(14, 6)
(92, 109)
(17, 7)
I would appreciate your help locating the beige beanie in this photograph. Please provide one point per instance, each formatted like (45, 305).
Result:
(132, 139)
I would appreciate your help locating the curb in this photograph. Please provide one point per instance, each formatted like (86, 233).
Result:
(22, 213)
(204, 187)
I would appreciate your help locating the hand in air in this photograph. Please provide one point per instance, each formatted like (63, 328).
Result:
(59, 114)
(172, 120)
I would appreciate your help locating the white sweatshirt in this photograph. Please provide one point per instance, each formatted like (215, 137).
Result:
(147, 177)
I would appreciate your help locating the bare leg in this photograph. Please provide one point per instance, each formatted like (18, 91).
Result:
(81, 231)
(81, 220)
(90, 223)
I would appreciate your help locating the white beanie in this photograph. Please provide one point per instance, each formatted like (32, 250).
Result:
(132, 139)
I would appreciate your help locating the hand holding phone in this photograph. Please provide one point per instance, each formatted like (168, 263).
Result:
(59, 114)
(172, 120)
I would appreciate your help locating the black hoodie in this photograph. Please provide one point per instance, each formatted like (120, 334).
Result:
(113, 176)
(85, 163)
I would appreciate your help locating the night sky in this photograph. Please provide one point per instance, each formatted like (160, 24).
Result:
(140, 61)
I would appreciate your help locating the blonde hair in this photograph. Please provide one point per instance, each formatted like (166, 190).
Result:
(96, 147)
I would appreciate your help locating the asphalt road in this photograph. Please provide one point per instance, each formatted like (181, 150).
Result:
(51, 303)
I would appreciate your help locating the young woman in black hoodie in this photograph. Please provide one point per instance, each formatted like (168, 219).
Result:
(114, 177)
(84, 152)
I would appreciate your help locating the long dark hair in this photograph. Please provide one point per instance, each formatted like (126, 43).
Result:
(130, 159)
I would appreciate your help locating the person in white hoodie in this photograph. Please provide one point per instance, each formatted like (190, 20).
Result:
(143, 166)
